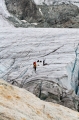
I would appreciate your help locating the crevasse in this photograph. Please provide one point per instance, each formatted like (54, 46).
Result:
(73, 72)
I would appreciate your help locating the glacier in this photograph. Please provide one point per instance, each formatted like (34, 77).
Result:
(20, 47)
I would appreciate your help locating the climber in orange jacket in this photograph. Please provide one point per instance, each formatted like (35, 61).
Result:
(34, 66)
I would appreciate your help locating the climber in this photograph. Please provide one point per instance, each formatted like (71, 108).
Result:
(34, 66)
(44, 63)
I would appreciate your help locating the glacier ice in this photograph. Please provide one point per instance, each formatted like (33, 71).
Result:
(59, 47)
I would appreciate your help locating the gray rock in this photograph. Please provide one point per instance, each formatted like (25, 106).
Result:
(62, 15)
(52, 92)
(54, 16)
(23, 9)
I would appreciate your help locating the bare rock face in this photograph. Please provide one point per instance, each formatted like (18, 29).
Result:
(19, 104)
(55, 15)
(53, 92)
(58, 15)
(23, 9)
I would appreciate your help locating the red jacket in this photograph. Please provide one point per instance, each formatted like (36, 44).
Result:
(34, 64)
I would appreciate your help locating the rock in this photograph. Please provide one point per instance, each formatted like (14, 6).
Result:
(24, 9)
(48, 14)
(52, 92)
(44, 95)
(55, 16)
(69, 100)
(19, 104)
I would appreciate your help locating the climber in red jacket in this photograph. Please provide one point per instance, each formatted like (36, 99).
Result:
(34, 66)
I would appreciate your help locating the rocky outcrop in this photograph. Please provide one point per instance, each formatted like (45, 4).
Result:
(23, 9)
(19, 104)
(55, 15)
(60, 15)
(53, 92)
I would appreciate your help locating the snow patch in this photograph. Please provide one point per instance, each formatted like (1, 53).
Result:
(4, 14)
(56, 2)
(3, 9)
(40, 11)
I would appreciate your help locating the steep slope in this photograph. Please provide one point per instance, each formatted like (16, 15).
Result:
(19, 104)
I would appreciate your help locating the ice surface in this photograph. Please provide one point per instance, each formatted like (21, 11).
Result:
(19, 48)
